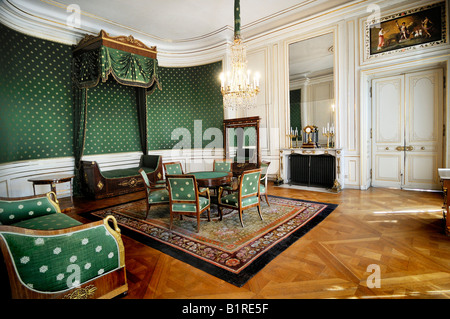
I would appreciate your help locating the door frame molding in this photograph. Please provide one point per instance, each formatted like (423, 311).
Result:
(373, 72)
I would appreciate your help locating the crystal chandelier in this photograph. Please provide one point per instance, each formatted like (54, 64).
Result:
(237, 90)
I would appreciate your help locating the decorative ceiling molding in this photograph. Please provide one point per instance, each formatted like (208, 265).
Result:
(48, 19)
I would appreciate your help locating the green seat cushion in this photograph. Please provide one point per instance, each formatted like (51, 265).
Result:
(125, 172)
(188, 207)
(12, 212)
(232, 200)
(159, 196)
(48, 222)
(61, 262)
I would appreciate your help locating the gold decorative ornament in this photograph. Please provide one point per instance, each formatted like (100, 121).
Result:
(130, 183)
(82, 293)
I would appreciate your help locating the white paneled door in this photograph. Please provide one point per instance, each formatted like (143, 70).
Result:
(407, 130)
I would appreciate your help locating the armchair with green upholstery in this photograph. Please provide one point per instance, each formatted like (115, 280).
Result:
(156, 194)
(185, 199)
(246, 196)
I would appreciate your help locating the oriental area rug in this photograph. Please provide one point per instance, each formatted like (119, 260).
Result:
(224, 248)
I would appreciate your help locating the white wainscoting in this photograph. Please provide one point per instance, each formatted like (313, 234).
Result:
(14, 176)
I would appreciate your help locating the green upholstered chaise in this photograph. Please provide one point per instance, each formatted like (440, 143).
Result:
(48, 255)
(102, 184)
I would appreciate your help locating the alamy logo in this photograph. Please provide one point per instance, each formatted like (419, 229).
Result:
(74, 279)
(374, 279)
(74, 19)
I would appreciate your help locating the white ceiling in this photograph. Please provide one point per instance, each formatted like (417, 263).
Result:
(171, 25)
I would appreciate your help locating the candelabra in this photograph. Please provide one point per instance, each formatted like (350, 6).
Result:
(293, 134)
(329, 133)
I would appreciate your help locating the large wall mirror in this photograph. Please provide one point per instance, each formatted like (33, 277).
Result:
(311, 85)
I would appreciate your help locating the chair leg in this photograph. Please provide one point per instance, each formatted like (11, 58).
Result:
(209, 214)
(267, 199)
(148, 211)
(198, 222)
(259, 211)
(240, 217)
(171, 221)
(219, 209)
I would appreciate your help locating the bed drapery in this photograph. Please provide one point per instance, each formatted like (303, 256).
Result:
(129, 62)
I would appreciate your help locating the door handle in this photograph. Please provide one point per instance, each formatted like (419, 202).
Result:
(404, 148)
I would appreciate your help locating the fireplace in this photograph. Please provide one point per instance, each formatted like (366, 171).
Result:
(312, 170)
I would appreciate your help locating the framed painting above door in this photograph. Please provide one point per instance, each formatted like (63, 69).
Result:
(400, 32)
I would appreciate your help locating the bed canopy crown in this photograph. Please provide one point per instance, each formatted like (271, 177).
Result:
(127, 59)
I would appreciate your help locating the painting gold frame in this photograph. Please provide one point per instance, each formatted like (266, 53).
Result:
(416, 28)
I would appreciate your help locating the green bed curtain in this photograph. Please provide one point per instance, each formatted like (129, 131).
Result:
(79, 131)
(88, 68)
(141, 99)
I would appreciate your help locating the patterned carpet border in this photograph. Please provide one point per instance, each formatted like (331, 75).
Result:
(234, 262)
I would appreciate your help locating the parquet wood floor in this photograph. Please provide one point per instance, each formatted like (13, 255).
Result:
(398, 231)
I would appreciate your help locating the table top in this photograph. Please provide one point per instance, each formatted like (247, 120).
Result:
(52, 178)
(211, 178)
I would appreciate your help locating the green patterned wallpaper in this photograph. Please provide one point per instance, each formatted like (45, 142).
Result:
(36, 104)
(112, 125)
(35, 98)
(189, 96)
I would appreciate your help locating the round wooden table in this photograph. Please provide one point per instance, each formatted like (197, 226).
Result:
(212, 179)
(52, 180)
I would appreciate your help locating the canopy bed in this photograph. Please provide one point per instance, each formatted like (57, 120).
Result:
(130, 62)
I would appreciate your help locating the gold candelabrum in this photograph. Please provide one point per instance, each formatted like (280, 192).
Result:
(293, 134)
(329, 133)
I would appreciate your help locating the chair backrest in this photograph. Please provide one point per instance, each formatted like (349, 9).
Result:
(173, 168)
(249, 184)
(182, 188)
(222, 165)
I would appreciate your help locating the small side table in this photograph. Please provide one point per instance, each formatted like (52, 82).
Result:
(52, 180)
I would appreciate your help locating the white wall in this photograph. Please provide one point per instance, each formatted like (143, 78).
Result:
(352, 75)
